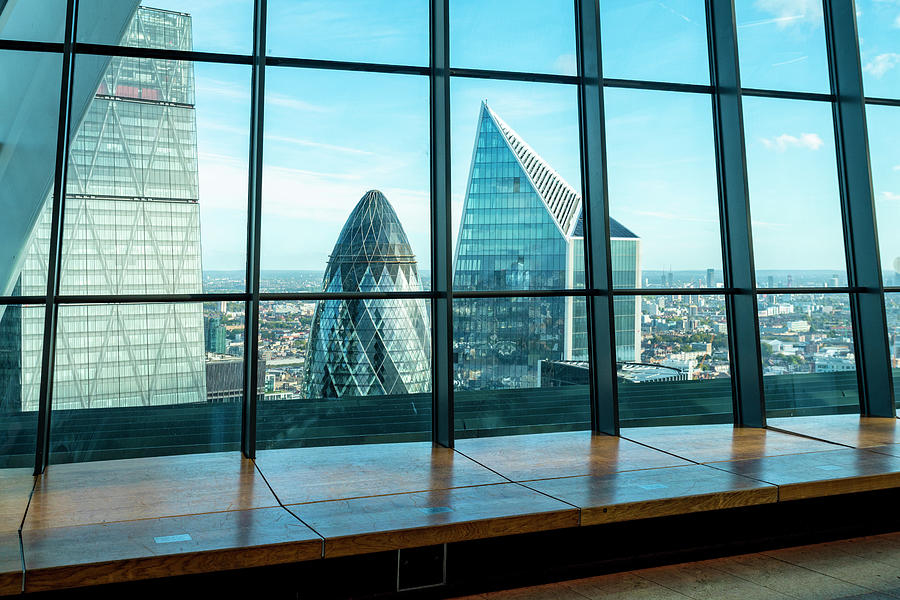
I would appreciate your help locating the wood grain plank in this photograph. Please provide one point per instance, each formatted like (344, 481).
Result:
(10, 564)
(69, 557)
(655, 493)
(145, 488)
(849, 430)
(374, 524)
(338, 472)
(15, 487)
(818, 474)
(716, 443)
(547, 455)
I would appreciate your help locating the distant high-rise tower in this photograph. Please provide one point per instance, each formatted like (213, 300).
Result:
(710, 277)
(522, 229)
(370, 347)
(131, 226)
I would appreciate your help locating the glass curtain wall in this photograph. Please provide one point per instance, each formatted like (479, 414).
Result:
(242, 222)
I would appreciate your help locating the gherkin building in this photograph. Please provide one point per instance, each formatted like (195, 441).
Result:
(365, 347)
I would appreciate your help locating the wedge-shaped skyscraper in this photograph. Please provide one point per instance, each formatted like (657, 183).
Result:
(370, 347)
(522, 230)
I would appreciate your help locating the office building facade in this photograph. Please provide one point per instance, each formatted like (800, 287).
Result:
(131, 226)
(366, 347)
(522, 229)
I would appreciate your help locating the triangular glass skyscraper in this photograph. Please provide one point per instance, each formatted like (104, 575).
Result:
(521, 229)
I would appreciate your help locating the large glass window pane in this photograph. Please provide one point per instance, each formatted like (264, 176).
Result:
(520, 366)
(522, 35)
(21, 345)
(878, 23)
(808, 360)
(29, 126)
(394, 32)
(341, 372)
(672, 360)
(663, 191)
(655, 41)
(339, 145)
(782, 45)
(794, 194)
(201, 25)
(516, 186)
(157, 178)
(146, 380)
(33, 20)
(884, 155)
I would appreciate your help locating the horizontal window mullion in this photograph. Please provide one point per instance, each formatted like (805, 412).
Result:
(161, 54)
(339, 65)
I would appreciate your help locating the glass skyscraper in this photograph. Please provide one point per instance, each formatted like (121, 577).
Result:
(522, 230)
(132, 226)
(373, 346)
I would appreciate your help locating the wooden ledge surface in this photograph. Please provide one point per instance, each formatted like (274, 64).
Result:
(145, 488)
(721, 443)
(67, 557)
(656, 493)
(374, 524)
(818, 474)
(339, 472)
(124, 520)
(548, 455)
(849, 430)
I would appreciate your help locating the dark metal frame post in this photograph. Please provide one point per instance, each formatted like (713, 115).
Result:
(598, 269)
(45, 399)
(441, 228)
(876, 393)
(254, 218)
(734, 217)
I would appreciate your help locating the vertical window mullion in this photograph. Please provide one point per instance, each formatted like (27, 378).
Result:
(441, 227)
(54, 260)
(598, 270)
(734, 207)
(254, 217)
(867, 309)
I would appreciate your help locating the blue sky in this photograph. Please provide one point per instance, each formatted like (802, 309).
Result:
(332, 136)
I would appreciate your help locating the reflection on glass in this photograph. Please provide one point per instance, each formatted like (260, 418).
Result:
(522, 35)
(157, 177)
(519, 225)
(680, 373)
(344, 372)
(878, 23)
(21, 342)
(330, 137)
(884, 156)
(394, 32)
(663, 188)
(144, 380)
(892, 309)
(33, 20)
(29, 105)
(520, 366)
(198, 25)
(794, 194)
(782, 45)
(655, 41)
(808, 360)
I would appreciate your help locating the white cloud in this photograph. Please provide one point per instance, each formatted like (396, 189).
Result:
(809, 141)
(882, 63)
(890, 196)
(790, 62)
(897, 167)
(312, 144)
(293, 103)
(790, 12)
(565, 64)
(897, 22)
